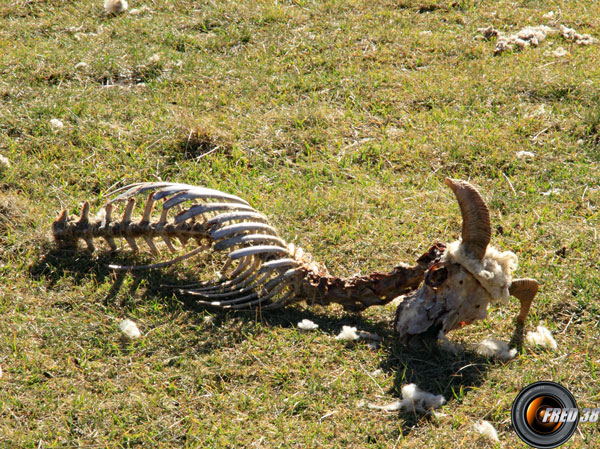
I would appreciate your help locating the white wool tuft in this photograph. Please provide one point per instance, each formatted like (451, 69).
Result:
(553, 191)
(154, 59)
(421, 400)
(532, 36)
(572, 35)
(543, 337)
(141, 10)
(4, 162)
(447, 345)
(347, 333)
(115, 6)
(81, 65)
(351, 333)
(494, 272)
(535, 34)
(559, 52)
(130, 329)
(525, 155)
(413, 400)
(56, 124)
(396, 405)
(492, 347)
(528, 36)
(486, 429)
(307, 325)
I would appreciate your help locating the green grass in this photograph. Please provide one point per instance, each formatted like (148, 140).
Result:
(339, 120)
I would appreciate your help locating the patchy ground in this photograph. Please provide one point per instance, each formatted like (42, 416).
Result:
(339, 120)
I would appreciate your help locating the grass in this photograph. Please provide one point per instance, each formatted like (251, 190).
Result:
(339, 119)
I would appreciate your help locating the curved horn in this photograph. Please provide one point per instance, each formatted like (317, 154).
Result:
(524, 290)
(476, 230)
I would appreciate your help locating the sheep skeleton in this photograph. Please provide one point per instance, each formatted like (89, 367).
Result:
(261, 270)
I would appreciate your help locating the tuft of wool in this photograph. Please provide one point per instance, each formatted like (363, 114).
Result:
(130, 329)
(572, 35)
(115, 7)
(542, 337)
(307, 325)
(351, 333)
(413, 400)
(554, 191)
(81, 66)
(448, 346)
(486, 429)
(154, 59)
(420, 400)
(488, 32)
(348, 333)
(393, 406)
(559, 52)
(532, 37)
(56, 124)
(141, 10)
(536, 34)
(492, 347)
(528, 36)
(525, 155)
(4, 162)
(494, 272)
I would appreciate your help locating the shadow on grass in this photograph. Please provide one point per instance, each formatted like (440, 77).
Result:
(421, 361)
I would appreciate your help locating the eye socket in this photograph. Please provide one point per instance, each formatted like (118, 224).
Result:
(436, 275)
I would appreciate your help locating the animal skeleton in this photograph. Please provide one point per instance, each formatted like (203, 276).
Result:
(460, 279)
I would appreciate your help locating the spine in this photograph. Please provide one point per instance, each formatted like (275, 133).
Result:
(376, 289)
(68, 231)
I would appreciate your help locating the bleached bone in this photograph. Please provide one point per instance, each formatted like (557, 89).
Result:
(236, 229)
(235, 288)
(251, 272)
(261, 270)
(200, 209)
(252, 238)
(243, 282)
(236, 216)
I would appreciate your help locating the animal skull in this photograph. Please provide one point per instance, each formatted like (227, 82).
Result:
(466, 278)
